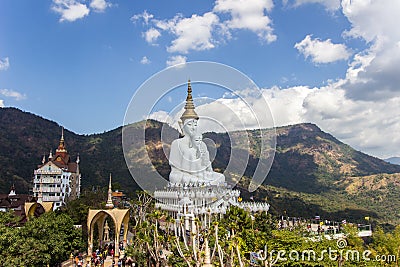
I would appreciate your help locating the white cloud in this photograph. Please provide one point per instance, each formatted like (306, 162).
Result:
(370, 126)
(151, 35)
(12, 94)
(194, 33)
(1, 103)
(249, 15)
(4, 64)
(373, 75)
(145, 60)
(174, 60)
(287, 104)
(145, 16)
(360, 12)
(99, 5)
(163, 116)
(322, 51)
(206, 31)
(70, 10)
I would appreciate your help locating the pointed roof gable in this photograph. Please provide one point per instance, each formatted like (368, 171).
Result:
(49, 167)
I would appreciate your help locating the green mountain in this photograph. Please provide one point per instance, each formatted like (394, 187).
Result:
(312, 173)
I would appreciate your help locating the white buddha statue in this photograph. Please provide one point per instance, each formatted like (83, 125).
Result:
(189, 157)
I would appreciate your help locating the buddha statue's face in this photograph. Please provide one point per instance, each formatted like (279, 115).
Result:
(190, 127)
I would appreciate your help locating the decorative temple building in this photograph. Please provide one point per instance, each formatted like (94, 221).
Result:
(24, 206)
(195, 190)
(14, 202)
(57, 179)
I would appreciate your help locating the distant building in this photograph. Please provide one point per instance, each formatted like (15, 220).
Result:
(119, 199)
(58, 179)
(14, 202)
(21, 205)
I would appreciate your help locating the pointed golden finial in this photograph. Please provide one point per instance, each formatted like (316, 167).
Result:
(189, 112)
(61, 146)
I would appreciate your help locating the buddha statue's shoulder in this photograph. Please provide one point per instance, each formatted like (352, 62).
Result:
(175, 154)
(176, 142)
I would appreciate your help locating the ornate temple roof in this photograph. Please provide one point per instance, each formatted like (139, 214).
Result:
(61, 158)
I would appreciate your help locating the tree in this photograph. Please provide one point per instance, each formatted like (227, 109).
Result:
(48, 239)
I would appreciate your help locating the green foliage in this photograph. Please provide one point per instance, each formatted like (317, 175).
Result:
(8, 219)
(386, 244)
(240, 233)
(48, 239)
(236, 219)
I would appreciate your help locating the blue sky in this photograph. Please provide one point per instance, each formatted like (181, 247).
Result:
(329, 62)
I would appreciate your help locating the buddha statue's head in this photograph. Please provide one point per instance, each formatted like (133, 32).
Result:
(189, 127)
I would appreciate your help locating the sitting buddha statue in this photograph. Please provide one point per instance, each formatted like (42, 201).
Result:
(189, 157)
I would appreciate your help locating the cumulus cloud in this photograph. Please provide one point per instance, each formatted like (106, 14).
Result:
(4, 64)
(174, 60)
(360, 12)
(145, 60)
(163, 116)
(206, 31)
(70, 10)
(194, 33)
(1, 103)
(12, 94)
(249, 15)
(99, 5)
(151, 35)
(322, 51)
(287, 104)
(373, 75)
(370, 126)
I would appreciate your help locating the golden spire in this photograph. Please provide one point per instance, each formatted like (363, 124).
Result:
(61, 146)
(189, 112)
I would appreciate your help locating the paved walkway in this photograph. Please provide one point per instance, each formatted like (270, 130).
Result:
(108, 262)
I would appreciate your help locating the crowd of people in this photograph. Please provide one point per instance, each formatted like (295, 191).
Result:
(99, 257)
